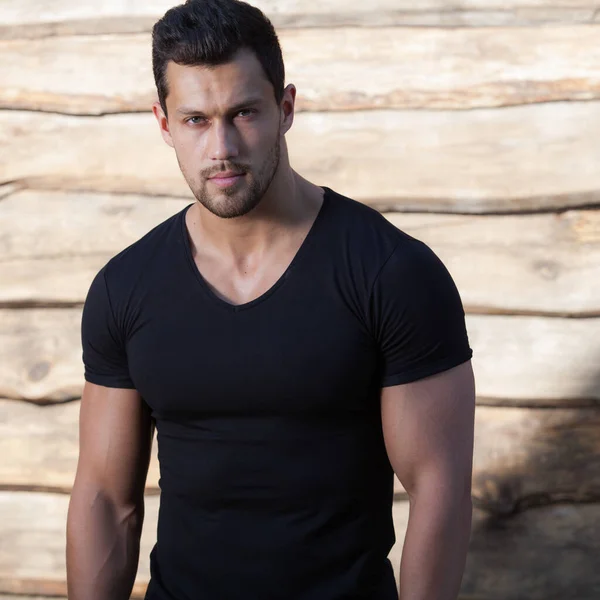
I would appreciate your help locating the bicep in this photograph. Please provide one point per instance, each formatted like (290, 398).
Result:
(115, 426)
(428, 430)
(115, 439)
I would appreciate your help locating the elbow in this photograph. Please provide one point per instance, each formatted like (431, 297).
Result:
(456, 502)
(94, 502)
(443, 510)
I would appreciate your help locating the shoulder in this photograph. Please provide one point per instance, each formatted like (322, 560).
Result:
(374, 241)
(125, 268)
(355, 218)
(398, 269)
(126, 278)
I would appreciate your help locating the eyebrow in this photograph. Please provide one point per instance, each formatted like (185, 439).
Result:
(189, 110)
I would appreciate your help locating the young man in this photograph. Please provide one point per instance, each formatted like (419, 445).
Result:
(293, 348)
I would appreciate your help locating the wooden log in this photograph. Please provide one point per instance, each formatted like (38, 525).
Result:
(531, 263)
(520, 158)
(43, 443)
(536, 361)
(333, 69)
(82, 224)
(522, 456)
(528, 264)
(527, 457)
(58, 281)
(8, 189)
(49, 262)
(33, 18)
(40, 354)
(32, 553)
(550, 553)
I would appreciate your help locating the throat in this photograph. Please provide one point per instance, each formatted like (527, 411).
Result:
(239, 278)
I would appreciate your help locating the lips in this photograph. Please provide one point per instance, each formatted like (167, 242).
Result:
(226, 178)
(226, 174)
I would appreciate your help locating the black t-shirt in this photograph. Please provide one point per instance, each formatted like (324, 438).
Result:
(275, 482)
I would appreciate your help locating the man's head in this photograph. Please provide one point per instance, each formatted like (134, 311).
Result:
(222, 105)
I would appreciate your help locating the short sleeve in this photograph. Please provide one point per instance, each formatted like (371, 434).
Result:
(104, 356)
(417, 315)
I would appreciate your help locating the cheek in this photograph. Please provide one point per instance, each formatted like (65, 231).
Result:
(189, 147)
(260, 132)
(260, 141)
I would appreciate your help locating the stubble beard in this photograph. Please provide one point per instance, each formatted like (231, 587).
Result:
(236, 202)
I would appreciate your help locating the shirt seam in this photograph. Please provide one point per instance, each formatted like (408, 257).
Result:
(110, 306)
(385, 262)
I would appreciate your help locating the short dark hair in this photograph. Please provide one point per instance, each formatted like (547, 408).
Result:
(210, 32)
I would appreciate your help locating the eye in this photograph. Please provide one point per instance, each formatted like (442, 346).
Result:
(196, 120)
(246, 112)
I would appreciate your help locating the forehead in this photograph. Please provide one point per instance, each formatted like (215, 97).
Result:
(216, 87)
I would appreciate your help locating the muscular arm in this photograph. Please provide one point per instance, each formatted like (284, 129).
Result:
(428, 429)
(106, 510)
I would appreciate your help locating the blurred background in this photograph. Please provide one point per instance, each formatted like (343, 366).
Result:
(473, 125)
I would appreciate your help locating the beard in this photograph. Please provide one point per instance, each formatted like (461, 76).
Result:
(245, 195)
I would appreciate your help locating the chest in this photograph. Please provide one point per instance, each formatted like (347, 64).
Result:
(292, 353)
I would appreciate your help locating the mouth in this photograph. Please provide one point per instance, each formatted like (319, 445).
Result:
(226, 178)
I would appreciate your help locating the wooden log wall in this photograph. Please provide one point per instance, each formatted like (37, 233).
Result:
(472, 125)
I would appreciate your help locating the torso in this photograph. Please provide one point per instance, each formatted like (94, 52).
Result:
(274, 482)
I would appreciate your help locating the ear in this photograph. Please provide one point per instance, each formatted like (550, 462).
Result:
(287, 108)
(163, 123)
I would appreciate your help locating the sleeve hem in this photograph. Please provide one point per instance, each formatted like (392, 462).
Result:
(427, 371)
(112, 382)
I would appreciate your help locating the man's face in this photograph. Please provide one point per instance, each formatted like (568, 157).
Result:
(226, 128)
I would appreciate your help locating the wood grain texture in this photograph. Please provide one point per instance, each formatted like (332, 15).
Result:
(43, 443)
(548, 553)
(534, 263)
(333, 69)
(531, 263)
(32, 553)
(527, 457)
(535, 360)
(517, 359)
(519, 158)
(523, 456)
(53, 260)
(530, 457)
(53, 225)
(34, 18)
(40, 354)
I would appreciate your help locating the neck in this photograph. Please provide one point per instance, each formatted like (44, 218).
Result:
(289, 202)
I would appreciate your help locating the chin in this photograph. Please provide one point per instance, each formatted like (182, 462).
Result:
(228, 206)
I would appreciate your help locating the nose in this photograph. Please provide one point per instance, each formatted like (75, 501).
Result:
(222, 141)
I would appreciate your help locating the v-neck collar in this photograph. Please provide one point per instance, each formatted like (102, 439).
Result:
(306, 243)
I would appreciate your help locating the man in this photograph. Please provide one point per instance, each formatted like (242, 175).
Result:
(293, 348)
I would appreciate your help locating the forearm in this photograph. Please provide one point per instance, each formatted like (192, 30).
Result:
(435, 548)
(103, 544)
